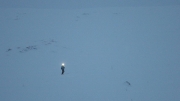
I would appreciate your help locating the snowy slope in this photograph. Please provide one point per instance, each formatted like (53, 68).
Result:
(110, 54)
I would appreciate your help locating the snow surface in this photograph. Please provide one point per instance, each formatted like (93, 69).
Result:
(110, 54)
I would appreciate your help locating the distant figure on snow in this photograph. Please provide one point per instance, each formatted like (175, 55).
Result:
(62, 68)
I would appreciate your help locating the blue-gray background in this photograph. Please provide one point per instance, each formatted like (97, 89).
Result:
(112, 50)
